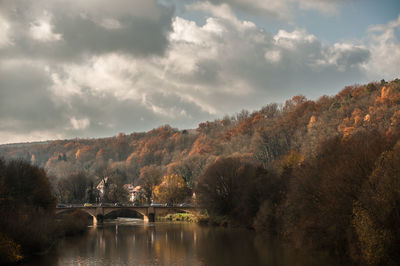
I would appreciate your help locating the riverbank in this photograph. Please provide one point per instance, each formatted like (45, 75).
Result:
(185, 217)
(201, 219)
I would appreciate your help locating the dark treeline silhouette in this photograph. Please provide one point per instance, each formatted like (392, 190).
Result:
(28, 224)
(321, 174)
(26, 207)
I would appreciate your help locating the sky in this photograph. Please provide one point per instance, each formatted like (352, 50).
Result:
(95, 68)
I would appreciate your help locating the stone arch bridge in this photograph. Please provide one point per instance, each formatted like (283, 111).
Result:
(148, 212)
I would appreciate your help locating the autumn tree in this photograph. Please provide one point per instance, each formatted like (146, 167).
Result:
(150, 177)
(73, 189)
(232, 188)
(189, 168)
(24, 184)
(121, 147)
(268, 145)
(172, 189)
(26, 207)
(319, 208)
(377, 212)
(269, 220)
(116, 191)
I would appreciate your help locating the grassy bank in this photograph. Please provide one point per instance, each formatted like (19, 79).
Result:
(185, 217)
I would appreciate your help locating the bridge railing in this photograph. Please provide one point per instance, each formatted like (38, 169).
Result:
(110, 205)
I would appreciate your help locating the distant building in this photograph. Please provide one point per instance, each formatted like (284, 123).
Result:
(136, 194)
(101, 185)
(130, 188)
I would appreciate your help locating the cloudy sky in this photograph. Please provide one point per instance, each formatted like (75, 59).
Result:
(94, 68)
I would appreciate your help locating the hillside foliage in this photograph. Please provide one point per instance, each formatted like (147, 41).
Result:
(265, 135)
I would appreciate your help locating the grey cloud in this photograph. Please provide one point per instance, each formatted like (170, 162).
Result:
(81, 31)
(274, 9)
(354, 56)
(110, 115)
(24, 99)
(281, 9)
(137, 76)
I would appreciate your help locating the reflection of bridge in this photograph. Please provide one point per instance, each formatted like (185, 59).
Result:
(148, 212)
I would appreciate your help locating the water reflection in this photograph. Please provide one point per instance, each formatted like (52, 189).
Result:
(131, 242)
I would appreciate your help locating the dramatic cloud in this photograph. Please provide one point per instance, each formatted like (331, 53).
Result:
(91, 68)
(238, 59)
(68, 30)
(214, 67)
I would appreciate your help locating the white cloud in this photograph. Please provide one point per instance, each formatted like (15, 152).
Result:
(4, 33)
(64, 87)
(273, 56)
(79, 124)
(110, 23)
(290, 40)
(222, 11)
(42, 30)
(385, 51)
(33, 136)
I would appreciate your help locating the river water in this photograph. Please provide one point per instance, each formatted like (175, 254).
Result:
(132, 242)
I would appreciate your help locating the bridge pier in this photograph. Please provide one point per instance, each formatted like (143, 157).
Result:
(100, 218)
(151, 214)
(97, 219)
(151, 217)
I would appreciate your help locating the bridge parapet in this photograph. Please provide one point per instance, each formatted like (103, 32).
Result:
(148, 212)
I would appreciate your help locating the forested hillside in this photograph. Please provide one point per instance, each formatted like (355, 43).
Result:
(265, 135)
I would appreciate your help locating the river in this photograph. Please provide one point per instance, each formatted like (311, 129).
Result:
(132, 242)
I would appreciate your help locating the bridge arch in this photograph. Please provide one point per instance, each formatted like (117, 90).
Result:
(90, 211)
(107, 211)
(99, 212)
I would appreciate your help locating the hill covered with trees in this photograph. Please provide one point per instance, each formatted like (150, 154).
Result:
(265, 135)
(321, 174)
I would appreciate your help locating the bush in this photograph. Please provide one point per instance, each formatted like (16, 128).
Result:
(10, 252)
(73, 223)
